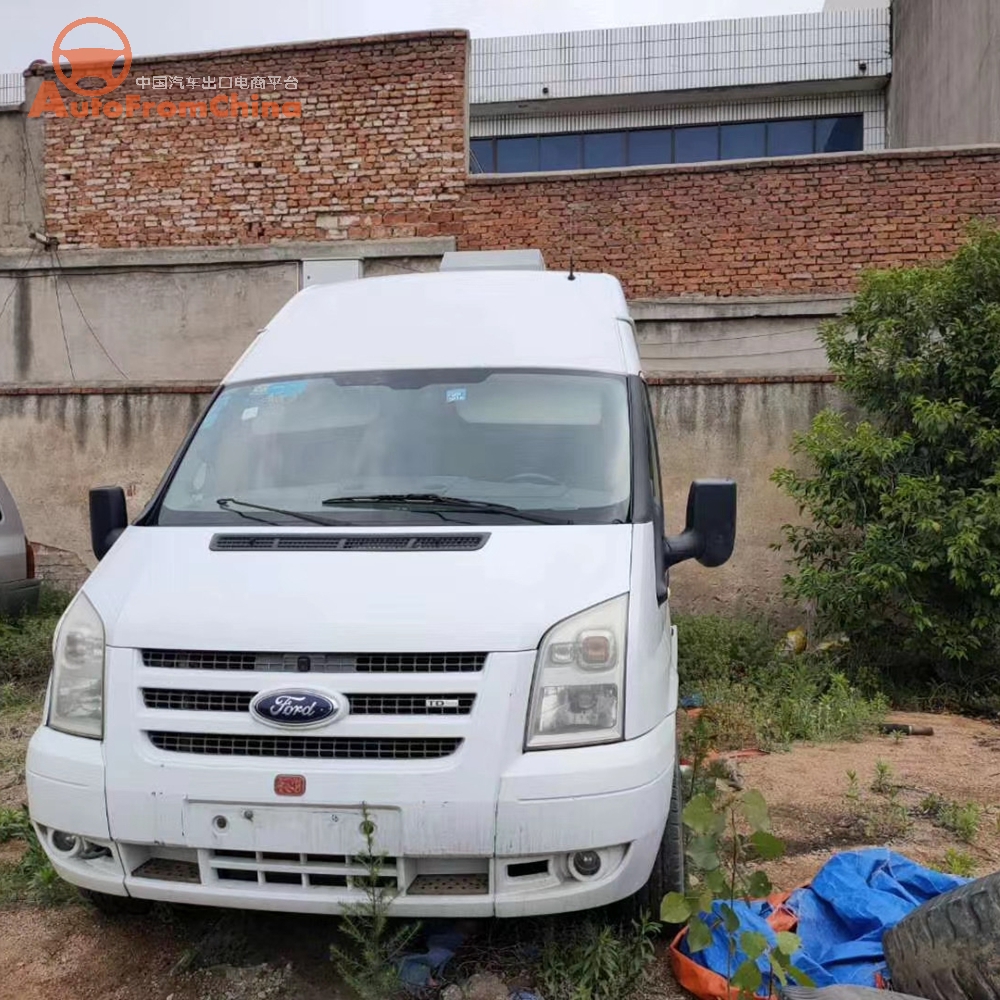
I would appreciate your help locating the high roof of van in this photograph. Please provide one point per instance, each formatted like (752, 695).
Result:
(466, 319)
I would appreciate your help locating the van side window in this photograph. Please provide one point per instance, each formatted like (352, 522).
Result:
(652, 450)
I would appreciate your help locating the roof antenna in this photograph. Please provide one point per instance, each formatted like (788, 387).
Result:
(572, 241)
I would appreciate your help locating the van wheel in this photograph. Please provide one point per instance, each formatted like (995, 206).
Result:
(116, 907)
(668, 867)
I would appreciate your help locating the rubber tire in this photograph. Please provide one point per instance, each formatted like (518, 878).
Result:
(668, 867)
(948, 947)
(116, 907)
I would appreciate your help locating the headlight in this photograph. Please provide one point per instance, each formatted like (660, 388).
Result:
(78, 672)
(579, 688)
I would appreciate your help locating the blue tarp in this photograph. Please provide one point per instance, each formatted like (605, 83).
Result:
(853, 900)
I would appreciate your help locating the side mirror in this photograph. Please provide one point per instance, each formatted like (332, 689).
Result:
(710, 533)
(108, 518)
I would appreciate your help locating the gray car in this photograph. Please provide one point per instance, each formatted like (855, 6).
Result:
(18, 587)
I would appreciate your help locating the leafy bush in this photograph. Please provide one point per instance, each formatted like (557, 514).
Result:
(901, 549)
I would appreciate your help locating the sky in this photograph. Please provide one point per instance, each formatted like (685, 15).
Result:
(30, 27)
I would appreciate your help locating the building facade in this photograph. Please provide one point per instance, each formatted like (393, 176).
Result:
(735, 175)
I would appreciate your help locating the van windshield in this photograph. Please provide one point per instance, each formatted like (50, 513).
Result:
(410, 447)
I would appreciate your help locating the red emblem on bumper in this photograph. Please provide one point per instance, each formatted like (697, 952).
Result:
(289, 784)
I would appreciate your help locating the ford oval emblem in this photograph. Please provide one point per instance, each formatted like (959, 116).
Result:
(295, 708)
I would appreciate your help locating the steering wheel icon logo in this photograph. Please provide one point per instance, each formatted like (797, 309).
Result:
(91, 63)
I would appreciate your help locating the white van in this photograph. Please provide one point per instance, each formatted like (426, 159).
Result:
(410, 565)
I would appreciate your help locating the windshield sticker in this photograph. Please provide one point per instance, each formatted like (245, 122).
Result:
(250, 412)
(454, 395)
(281, 390)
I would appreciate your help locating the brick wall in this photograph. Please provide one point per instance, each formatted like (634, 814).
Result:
(378, 152)
(788, 226)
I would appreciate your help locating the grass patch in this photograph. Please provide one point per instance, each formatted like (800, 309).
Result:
(879, 815)
(958, 863)
(29, 878)
(758, 695)
(26, 642)
(961, 820)
(594, 961)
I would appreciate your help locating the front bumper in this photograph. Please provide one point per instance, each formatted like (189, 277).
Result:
(545, 806)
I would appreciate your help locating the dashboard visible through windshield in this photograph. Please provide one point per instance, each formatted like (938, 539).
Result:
(409, 447)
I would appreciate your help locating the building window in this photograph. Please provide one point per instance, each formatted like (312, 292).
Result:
(656, 146)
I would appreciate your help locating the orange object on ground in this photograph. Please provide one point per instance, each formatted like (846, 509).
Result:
(708, 985)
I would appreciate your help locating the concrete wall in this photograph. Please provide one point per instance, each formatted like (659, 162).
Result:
(946, 73)
(739, 429)
(136, 324)
(21, 171)
(153, 316)
(56, 444)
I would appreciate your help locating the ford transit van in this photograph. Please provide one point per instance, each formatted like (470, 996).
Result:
(410, 569)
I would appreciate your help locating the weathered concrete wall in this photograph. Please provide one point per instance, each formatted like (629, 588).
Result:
(945, 87)
(741, 430)
(152, 316)
(758, 335)
(55, 446)
(136, 324)
(21, 171)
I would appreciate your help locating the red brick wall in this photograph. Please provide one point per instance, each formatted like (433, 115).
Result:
(379, 152)
(788, 226)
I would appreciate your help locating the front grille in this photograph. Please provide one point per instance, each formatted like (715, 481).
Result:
(170, 699)
(348, 543)
(307, 871)
(168, 870)
(321, 663)
(473, 884)
(419, 663)
(198, 701)
(312, 747)
(411, 704)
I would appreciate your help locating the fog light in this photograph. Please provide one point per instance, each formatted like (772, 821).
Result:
(67, 845)
(585, 864)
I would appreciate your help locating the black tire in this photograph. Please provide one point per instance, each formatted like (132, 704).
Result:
(948, 947)
(116, 907)
(668, 867)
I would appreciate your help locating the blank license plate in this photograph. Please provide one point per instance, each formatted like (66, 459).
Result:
(289, 829)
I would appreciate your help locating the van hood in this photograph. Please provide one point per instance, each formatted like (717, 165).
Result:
(167, 588)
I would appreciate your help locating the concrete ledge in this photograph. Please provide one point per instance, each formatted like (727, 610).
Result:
(694, 378)
(230, 255)
(206, 388)
(744, 307)
(106, 388)
(870, 159)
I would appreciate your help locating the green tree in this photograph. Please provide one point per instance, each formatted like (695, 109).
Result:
(902, 541)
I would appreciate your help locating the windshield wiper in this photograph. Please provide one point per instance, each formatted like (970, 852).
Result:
(226, 504)
(438, 503)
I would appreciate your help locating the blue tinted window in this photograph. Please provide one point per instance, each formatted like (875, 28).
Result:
(790, 138)
(743, 142)
(515, 156)
(481, 156)
(840, 135)
(650, 145)
(692, 145)
(604, 149)
(561, 152)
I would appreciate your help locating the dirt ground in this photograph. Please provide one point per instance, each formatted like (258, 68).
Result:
(71, 952)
